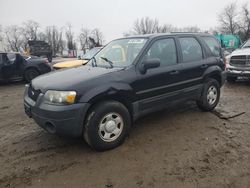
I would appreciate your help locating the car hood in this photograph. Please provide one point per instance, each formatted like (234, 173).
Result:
(68, 79)
(68, 64)
(244, 51)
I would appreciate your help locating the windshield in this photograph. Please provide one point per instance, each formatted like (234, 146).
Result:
(91, 53)
(120, 53)
(246, 44)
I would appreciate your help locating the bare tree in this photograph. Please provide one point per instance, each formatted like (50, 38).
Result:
(1, 34)
(228, 19)
(96, 38)
(30, 30)
(145, 26)
(70, 37)
(193, 29)
(166, 28)
(245, 25)
(84, 39)
(54, 37)
(13, 36)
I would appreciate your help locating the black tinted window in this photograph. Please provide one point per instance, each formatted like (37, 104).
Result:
(11, 56)
(214, 45)
(164, 50)
(191, 49)
(1, 61)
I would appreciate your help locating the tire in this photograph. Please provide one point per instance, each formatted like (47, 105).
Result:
(107, 125)
(30, 74)
(231, 79)
(210, 95)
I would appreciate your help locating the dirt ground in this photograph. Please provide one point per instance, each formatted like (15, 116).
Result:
(178, 147)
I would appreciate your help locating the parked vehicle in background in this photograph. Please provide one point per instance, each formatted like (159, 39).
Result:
(14, 66)
(238, 63)
(229, 42)
(127, 79)
(75, 63)
(40, 49)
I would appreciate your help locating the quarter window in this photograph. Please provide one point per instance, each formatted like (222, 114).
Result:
(191, 49)
(213, 45)
(165, 50)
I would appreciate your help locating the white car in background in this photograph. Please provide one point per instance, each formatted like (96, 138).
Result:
(238, 63)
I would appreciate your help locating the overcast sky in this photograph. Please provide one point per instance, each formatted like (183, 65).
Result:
(113, 17)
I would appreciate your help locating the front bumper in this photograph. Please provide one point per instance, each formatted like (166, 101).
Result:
(238, 71)
(66, 120)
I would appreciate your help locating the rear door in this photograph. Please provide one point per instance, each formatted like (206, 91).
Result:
(194, 63)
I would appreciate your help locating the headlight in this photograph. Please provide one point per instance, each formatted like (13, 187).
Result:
(60, 97)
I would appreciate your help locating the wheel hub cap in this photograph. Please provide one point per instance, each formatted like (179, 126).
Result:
(110, 126)
(212, 95)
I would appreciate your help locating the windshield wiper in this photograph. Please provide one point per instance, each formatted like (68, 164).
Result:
(107, 60)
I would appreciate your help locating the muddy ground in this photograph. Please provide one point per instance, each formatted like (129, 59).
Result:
(178, 147)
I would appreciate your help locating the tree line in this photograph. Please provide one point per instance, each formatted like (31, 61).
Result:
(15, 38)
(233, 19)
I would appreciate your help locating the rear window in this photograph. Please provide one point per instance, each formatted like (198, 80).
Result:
(191, 49)
(213, 45)
(11, 56)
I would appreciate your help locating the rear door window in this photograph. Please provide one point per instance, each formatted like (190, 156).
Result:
(11, 56)
(213, 45)
(191, 49)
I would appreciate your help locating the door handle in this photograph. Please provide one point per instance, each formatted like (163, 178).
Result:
(174, 72)
(204, 66)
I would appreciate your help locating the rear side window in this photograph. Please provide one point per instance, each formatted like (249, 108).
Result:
(213, 45)
(191, 49)
(11, 56)
(1, 61)
(165, 50)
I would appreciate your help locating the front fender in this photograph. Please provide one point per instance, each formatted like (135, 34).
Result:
(108, 91)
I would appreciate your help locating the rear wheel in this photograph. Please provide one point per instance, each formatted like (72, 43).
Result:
(210, 95)
(30, 74)
(107, 125)
(231, 79)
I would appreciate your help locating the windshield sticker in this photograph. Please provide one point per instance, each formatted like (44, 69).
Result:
(136, 41)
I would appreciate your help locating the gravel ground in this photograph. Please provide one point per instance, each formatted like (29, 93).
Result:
(178, 147)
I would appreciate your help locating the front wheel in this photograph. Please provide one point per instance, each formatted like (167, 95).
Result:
(107, 125)
(210, 95)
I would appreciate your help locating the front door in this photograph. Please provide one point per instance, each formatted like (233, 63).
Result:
(158, 86)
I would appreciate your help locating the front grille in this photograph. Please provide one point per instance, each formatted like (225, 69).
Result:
(33, 94)
(239, 60)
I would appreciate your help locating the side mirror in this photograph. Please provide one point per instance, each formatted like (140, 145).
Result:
(149, 64)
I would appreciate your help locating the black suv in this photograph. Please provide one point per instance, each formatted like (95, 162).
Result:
(128, 78)
(14, 66)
